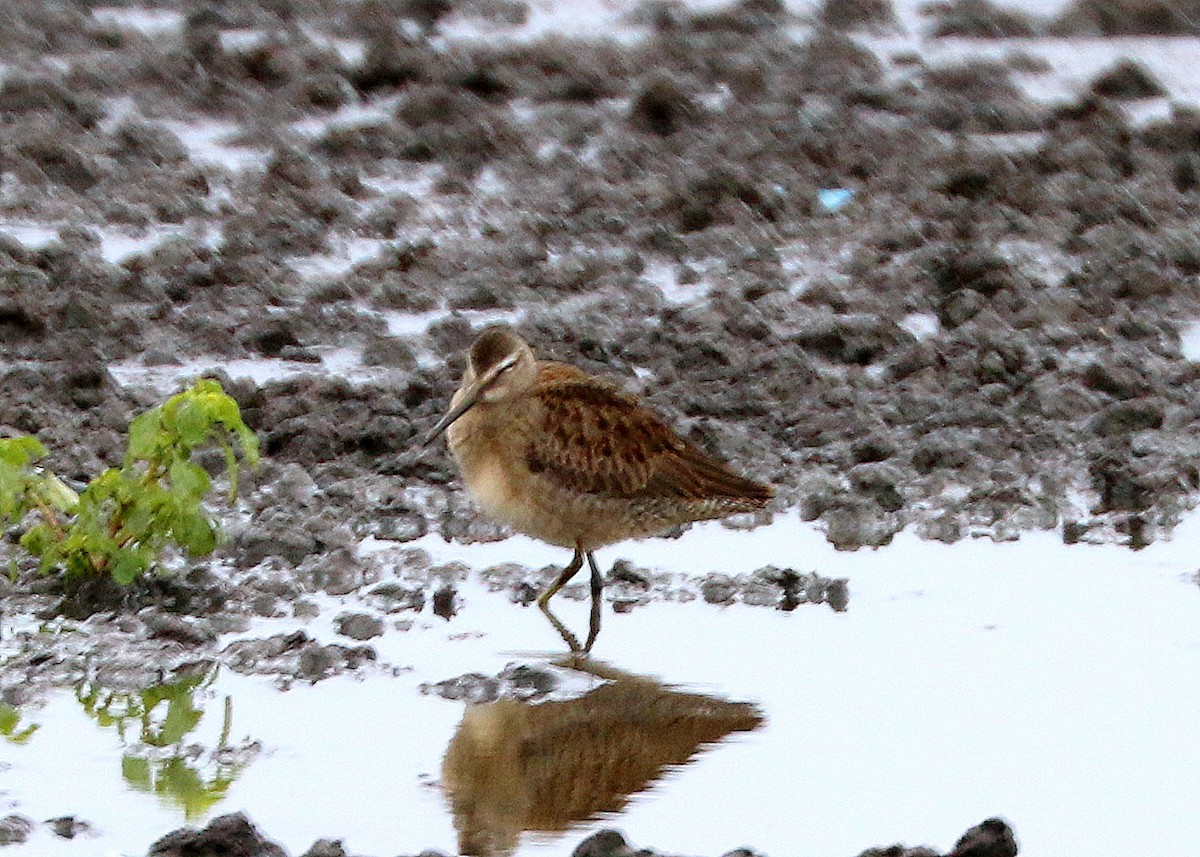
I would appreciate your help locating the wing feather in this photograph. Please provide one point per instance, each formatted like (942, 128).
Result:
(591, 437)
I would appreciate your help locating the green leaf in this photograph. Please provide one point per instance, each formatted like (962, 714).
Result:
(223, 409)
(189, 479)
(127, 566)
(21, 451)
(136, 772)
(195, 533)
(191, 423)
(10, 719)
(249, 442)
(126, 516)
(38, 539)
(144, 433)
(139, 520)
(182, 717)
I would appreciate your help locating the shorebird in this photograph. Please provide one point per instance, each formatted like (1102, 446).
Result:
(575, 461)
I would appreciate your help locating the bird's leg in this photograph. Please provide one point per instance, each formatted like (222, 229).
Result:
(570, 571)
(597, 601)
(544, 600)
(570, 639)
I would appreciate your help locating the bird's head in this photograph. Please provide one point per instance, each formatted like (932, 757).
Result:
(500, 366)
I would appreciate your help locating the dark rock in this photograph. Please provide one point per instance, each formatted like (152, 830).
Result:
(900, 851)
(1122, 382)
(878, 483)
(745, 17)
(990, 838)
(977, 95)
(837, 594)
(24, 95)
(852, 339)
(445, 602)
(1185, 174)
(472, 687)
(197, 593)
(358, 626)
(719, 588)
(940, 452)
(318, 662)
(979, 19)
(831, 62)
(529, 680)
(339, 573)
(873, 448)
(1119, 486)
(395, 597)
(1127, 80)
(850, 528)
(946, 527)
(326, 848)
(225, 836)
(271, 337)
(68, 826)
(1073, 532)
(389, 351)
(170, 627)
(59, 163)
(290, 544)
(295, 654)
(1125, 417)
(662, 108)
(853, 14)
(15, 829)
(1128, 18)
(623, 571)
(603, 843)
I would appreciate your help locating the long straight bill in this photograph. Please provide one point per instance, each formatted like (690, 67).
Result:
(444, 423)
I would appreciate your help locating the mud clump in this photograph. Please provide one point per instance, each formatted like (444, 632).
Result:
(980, 19)
(1127, 80)
(295, 655)
(225, 834)
(852, 14)
(358, 626)
(1128, 18)
(15, 829)
(988, 337)
(990, 838)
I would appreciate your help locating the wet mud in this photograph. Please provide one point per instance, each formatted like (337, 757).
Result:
(905, 294)
(236, 834)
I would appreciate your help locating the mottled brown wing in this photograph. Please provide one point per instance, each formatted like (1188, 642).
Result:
(594, 438)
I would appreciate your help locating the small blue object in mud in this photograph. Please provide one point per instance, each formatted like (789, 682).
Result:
(832, 199)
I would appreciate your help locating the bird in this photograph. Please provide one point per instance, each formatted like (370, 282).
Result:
(576, 461)
(515, 765)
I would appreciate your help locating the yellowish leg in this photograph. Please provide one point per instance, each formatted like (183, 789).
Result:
(544, 602)
(567, 573)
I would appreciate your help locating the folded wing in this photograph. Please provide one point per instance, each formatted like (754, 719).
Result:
(594, 438)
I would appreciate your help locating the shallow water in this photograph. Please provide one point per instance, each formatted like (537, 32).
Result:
(1052, 685)
(1048, 684)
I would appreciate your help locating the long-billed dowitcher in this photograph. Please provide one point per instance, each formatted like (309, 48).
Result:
(576, 461)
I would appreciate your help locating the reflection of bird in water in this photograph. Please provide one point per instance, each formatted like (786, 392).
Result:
(513, 766)
(575, 461)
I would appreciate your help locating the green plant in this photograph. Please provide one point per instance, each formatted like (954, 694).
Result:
(10, 725)
(127, 516)
(153, 725)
